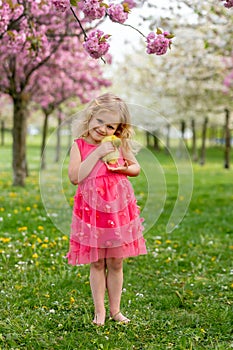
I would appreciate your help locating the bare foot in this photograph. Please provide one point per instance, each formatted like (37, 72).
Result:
(118, 317)
(99, 319)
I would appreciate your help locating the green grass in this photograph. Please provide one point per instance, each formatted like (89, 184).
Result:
(178, 296)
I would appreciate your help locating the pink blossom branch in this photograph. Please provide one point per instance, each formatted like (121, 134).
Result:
(79, 22)
(129, 25)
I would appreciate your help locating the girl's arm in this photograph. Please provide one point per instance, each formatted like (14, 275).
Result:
(131, 167)
(78, 170)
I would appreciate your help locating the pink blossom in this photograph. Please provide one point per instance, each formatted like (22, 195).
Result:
(157, 43)
(93, 9)
(4, 17)
(118, 13)
(228, 3)
(61, 5)
(228, 80)
(96, 44)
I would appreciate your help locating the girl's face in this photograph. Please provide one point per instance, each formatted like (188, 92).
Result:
(101, 125)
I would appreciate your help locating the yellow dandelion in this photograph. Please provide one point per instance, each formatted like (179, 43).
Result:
(213, 258)
(16, 211)
(231, 285)
(18, 287)
(23, 228)
(72, 300)
(44, 245)
(41, 228)
(2, 209)
(35, 256)
(5, 239)
(47, 296)
(28, 208)
(64, 238)
(39, 240)
(35, 206)
(46, 240)
(168, 241)
(158, 241)
(12, 194)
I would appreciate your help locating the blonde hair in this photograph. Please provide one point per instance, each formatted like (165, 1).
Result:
(111, 103)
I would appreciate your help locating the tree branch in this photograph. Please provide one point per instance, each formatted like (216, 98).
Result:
(79, 22)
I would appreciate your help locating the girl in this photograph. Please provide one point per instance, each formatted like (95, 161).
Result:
(106, 226)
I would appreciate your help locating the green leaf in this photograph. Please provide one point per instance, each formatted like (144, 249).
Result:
(159, 31)
(11, 34)
(102, 4)
(170, 36)
(74, 2)
(206, 44)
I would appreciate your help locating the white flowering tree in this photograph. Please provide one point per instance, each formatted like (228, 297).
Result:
(187, 85)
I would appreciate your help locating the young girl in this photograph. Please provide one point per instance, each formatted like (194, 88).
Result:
(106, 227)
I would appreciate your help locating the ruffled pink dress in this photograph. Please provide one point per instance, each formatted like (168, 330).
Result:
(105, 221)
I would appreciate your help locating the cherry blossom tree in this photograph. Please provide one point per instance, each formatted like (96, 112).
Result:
(32, 35)
(64, 77)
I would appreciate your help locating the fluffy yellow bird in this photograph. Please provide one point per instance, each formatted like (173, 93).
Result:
(112, 157)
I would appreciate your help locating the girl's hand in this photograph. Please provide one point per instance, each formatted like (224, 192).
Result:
(118, 169)
(104, 148)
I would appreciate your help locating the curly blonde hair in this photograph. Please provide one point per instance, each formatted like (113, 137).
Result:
(111, 103)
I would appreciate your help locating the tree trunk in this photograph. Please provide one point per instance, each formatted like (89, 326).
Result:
(194, 141)
(44, 136)
(167, 149)
(181, 139)
(2, 132)
(19, 140)
(203, 142)
(58, 145)
(156, 142)
(227, 140)
(147, 139)
(182, 129)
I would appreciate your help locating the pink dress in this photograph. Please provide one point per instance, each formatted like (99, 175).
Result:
(105, 221)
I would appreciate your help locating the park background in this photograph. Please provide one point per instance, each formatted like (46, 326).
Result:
(178, 296)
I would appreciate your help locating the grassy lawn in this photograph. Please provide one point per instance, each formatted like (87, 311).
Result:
(178, 296)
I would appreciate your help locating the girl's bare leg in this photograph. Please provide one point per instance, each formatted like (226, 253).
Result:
(114, 286)
(98, 287)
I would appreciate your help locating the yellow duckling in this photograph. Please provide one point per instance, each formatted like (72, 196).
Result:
(112, 157)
